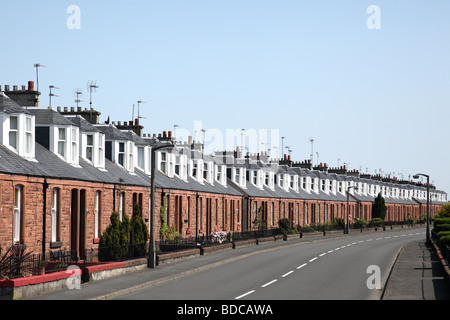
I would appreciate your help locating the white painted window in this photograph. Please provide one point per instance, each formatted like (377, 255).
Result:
(54, 215)
(17, 212)
(90, 147)
(62, 142)
(74, 145)
(29, 136)
(97, 215)
(13, 132)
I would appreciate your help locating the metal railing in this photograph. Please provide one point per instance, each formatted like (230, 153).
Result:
(27, 265)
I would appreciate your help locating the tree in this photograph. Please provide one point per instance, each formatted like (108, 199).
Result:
(259, 221)
(379, 208)
(444, 211)
(111, 240)
(138, 232)
(138, 229)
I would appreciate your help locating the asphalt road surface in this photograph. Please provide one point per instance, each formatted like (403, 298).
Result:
(345, 268)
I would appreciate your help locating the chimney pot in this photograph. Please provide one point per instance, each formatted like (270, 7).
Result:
(164, 134)
(30, 85)
(170, 134)
(136, 121)
(6, 87)
(79, 109)
(130, 122)
(190, 139)
(15, 88)
(23, 88)
(72, 109)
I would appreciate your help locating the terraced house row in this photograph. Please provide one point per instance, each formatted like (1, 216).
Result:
(62, 174)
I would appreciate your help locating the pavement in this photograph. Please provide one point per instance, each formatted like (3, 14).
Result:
(416, 275)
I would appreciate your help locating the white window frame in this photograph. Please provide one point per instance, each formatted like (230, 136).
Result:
(54, 215)
(61, 142)
(97, 214)
(14, 132)
(18, 190)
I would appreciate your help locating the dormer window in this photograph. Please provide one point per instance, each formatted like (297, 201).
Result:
(177, 165)
(29, 136)
(89, 147)
(13, 132)
(236, 176)
(74, 145)
(219, 173)
(121, 158)
(163, 162)
(62, 142)
(205, 171)
(255, 178)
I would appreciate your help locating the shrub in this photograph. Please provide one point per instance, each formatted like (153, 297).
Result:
(376, 222)
(444, 241)
(219, 237)
(444, 211)
(442, 227)
(379, 207)
(307, 229)
(338, 222)
(285, 226)
(360, 223)
(113, 239)
(411, 221)
(438, 221)
(442, 234)
(138, 232)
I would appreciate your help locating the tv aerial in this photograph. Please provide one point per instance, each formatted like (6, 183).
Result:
(92, 87)
(139, 102)
(77, 92)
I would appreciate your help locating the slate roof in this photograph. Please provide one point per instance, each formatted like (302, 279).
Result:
(49, 117)
(7, 105)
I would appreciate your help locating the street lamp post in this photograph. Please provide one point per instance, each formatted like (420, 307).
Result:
(348, 215)
(428, 204)
(152, 245)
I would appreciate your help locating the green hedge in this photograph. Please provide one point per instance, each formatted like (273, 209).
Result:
(438, 221)
(443, 241)
(442, 227)
(442, 234)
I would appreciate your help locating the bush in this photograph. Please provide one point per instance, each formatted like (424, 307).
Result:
(360, 223)
(444, 211)
(307, 229)
(379, 208)
(442, 234)
(411, 221)
(442, 227)
(444, 241)
(138, 232)
(338, 222)
(111, 240)
(438, 221)
(124, 239)
(285, 226)
(376, 222)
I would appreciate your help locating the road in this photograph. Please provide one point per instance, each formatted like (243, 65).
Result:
(342, 268)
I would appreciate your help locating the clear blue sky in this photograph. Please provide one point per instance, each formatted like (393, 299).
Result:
(375, 99)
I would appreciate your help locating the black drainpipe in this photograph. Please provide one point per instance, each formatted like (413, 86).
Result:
(114, 198)
(44, 224)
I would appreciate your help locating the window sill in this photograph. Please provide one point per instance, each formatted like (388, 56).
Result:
(55, 245)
